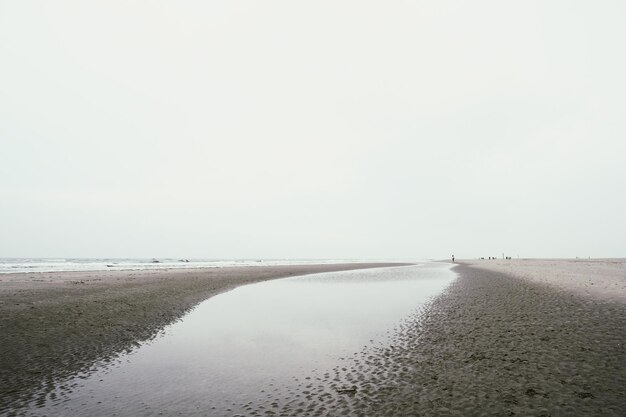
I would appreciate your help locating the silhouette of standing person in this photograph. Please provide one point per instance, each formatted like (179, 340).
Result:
(452, 258)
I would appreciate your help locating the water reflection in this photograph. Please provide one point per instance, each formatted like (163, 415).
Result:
(237, 345)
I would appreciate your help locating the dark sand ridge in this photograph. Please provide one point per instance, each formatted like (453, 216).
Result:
(53, 325)
(492, 345)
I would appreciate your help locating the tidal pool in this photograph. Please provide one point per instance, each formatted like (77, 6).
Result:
(234, 348)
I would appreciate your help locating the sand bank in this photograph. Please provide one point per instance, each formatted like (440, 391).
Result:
(603, 279)
(492, 344)
(56, 324)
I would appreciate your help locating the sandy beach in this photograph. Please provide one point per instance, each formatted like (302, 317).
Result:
(54, 325)
(602, 279)
(493, 344)
(507, 338)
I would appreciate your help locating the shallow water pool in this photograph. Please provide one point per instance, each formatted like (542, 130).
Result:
(240, 347)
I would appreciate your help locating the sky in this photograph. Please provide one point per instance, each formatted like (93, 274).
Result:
(319, 129)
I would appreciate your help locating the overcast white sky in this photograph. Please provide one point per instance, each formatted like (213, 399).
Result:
(319, 129)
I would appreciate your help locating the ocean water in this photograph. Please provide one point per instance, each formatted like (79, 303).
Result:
(25, 265)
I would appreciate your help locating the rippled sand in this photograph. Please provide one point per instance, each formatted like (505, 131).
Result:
(491, 345)
(531, 341)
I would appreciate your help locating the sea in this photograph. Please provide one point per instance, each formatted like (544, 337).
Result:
(33, 265)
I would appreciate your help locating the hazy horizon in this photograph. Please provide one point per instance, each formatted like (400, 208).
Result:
(321, 130)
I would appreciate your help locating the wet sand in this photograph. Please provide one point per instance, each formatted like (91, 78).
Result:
(492, 344)
(54, 325)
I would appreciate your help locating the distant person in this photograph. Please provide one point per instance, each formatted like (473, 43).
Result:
(453, 258)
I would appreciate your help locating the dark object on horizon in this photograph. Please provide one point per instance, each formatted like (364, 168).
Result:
(452, 257)
(156, 261)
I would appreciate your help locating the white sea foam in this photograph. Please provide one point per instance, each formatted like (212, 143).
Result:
(25, 265)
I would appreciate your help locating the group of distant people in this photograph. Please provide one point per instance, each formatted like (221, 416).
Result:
(490, 257)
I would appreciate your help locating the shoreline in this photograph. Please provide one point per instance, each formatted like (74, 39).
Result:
(491, 344)
(62, 323)
(494, 343)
